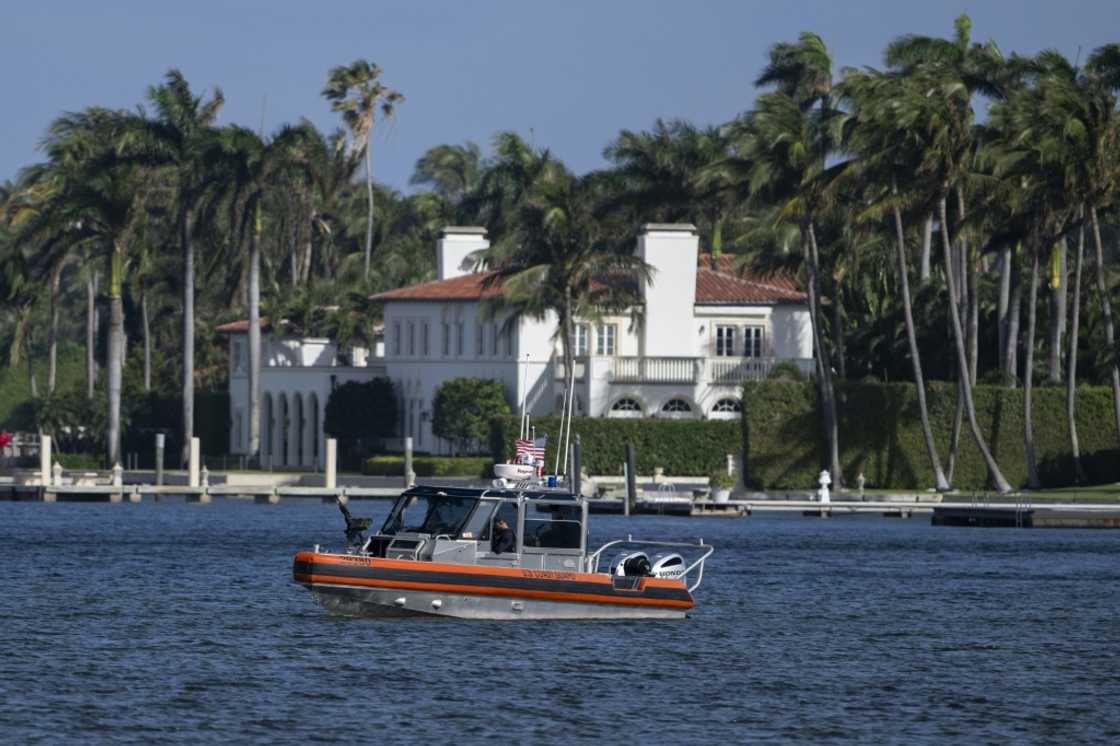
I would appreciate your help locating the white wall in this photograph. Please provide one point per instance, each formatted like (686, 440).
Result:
(670, 296)
(453, 248)
(792, 333)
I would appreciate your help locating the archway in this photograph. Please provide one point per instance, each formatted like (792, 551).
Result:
(282, 424)
(313, 430)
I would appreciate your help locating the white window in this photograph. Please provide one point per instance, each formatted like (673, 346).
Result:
(424, 339)
(459, 338)
(238, 356)
(725, 341)
(727, 407)
(581, 340)
(445, 331)
(479, 340)
(677, 405)
(605, 335)
(396, 338)
(411, 338)
(752, 341)
(626, 407)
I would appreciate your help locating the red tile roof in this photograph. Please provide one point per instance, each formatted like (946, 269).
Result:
(465, 287)
(717, 283)
(240, 326)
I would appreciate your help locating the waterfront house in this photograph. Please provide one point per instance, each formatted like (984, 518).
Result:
(704, 329)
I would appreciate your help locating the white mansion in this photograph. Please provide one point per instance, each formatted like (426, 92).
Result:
(704, 329)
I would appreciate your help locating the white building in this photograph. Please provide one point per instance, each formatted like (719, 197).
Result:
(703, 330)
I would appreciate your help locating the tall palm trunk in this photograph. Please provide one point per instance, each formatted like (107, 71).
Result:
(114, 359)
(1057, 322)
(1011, 352)
(838, 330)
(369, 198)
(1071, 379)
(1028, 376)
(188, 335)
(828, 396)
(927, 245)
(52, 332)
(1003, 307)
(962, 362)
(915, 357)
(255, 341)
(1106, 312)
(91, 333)
(146, 329)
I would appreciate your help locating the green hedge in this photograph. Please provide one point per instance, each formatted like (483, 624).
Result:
(681, 447)
(429, 466)
(881, 435)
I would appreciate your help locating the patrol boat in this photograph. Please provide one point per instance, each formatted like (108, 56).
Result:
(437, 554)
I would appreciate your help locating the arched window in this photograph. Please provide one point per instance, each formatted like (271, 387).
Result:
(726, 409)
(626, 407)
(677, 405)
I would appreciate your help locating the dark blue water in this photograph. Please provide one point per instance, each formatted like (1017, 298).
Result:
(172, 622)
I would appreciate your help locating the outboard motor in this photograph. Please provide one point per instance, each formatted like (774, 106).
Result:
(632, 565)
(668, 566)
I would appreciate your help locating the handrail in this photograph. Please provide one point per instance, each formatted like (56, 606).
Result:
(593, 558)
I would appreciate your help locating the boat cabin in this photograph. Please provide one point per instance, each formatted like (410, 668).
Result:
(457, 525)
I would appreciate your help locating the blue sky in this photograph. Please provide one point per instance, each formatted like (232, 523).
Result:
(569, 74)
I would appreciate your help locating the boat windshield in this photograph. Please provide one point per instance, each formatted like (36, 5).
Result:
(429, 514)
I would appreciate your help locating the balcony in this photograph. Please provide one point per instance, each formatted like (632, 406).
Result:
(655, 369)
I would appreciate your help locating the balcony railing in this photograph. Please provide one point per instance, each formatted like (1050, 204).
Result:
(654, 369)
(715, 371)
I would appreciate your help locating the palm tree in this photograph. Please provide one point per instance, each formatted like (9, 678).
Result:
(780, 156)
(96, 192)
(357, 93)
(175, 141)
(452, 170)
(886, 156)
(558, 259)
(505, 183)
(247, 166)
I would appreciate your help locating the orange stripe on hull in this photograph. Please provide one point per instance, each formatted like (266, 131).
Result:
(483, 590)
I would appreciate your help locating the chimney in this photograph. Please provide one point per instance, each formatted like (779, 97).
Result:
(670, 295)
(455, 244)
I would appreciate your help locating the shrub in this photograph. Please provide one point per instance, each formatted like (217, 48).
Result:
(462, 409)
(681, 447)
(430, 466)
(720, 479)
(786, 370)
(881, 435)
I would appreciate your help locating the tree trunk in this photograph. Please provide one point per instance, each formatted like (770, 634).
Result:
(838, 331)
(1106, 312)
(970, 280)
(962, 363)
(114, 359)
(927, 244)
(1011, 354)
(940, 481)
(369, 198)
(1057, 323)
(1004, 306)
(91, 333)
(828, 397)
(255, 341)
(52, 332)
(1071, 379)
(1028, 376)
(146, 329)
(188, 336)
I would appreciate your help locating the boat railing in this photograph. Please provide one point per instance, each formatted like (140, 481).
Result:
(697, 564)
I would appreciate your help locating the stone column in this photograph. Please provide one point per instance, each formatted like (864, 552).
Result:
(193, 478)
(331, 479)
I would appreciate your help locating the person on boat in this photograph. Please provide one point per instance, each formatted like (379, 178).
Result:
(504, 539)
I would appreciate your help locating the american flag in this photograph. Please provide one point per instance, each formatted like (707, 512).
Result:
(534, 448)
